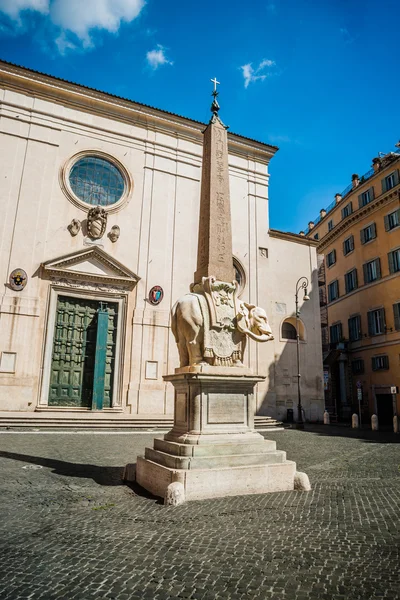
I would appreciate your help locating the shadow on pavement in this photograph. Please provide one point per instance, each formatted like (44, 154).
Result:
(101, 475)
(366, 435)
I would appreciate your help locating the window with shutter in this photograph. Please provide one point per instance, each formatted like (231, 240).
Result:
(368, 233)
(390, 181)
(366, 197)
(333, 291)
(394, 260)
(355, 328)
(336, 333)
(347, 210)
(379, 363)
(376, 321)
(396, 312)
(392, 220)
(357, 366)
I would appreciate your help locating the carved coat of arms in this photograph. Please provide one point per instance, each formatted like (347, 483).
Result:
(96, 222)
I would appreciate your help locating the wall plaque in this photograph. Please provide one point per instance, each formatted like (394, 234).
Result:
(18, 279)
(156, 294)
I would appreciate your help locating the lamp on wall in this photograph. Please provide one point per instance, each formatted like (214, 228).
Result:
(301, 284)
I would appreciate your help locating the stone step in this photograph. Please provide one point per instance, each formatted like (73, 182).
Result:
(62, 421)
(220, 449)
(213, 462)
(264, 422)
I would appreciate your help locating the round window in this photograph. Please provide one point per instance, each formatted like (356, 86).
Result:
(239, 275)
(95, 180)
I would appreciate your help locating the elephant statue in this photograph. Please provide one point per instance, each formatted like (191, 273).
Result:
(200, 344)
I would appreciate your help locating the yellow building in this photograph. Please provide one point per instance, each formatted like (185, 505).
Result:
(359, 275)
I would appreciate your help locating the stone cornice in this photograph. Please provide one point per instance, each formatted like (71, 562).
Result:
(356, 216)
(292, 237)
(79, 96)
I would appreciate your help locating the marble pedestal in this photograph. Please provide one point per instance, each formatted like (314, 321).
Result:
(212, 449)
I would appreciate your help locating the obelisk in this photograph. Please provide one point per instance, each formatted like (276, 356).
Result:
(214, 255)
(212, 449)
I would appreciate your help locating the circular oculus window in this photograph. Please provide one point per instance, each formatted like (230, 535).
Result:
(96, 180)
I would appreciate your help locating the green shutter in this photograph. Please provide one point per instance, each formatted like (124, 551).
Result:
(365, 269)
(374, 365)
(383, 181)
(334, 256)
(382, 318)
(386, 219)
(391, 262)
(360, 202)
(386, 362)
(355, 279)
(396, 177)
(371, 194)
(396, 311)
(362, 236)
(352, 242)
(378, 268)
(370, 323)
(346, 283)
(373, 230)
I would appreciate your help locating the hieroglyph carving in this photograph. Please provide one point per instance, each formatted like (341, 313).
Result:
(96, 222)
(210, 326)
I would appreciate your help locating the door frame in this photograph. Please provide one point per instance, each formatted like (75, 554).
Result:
(116, 298)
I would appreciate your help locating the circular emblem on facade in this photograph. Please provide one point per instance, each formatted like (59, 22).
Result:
(156, 294)
(18, 279)
(96, 222)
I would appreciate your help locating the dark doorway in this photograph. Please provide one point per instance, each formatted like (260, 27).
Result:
(385, 409)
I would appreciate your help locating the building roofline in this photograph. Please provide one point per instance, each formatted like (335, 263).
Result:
(12, 68)
(292, 237)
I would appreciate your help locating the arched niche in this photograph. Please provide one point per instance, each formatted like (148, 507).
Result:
(288, 331)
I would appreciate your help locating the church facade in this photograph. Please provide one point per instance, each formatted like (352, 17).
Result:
(100, 202)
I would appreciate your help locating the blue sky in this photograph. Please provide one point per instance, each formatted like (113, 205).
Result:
(318, 79)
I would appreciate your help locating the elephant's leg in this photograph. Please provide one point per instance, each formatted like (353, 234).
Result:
(183, 353)
(195, 353)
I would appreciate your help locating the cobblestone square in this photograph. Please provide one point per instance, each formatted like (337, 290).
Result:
(70, 529)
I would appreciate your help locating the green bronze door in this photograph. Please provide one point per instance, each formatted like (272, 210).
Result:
(82, 366)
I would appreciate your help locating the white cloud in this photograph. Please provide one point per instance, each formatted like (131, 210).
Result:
(79, 17)
(13, 8)
(157, 57)
(251, 75)
(63, 43)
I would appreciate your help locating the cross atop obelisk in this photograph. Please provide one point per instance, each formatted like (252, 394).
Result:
(214, 255)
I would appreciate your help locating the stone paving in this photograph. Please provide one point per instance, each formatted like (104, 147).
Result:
(69, 529)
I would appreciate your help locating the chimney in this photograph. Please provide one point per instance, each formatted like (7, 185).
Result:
(376, 164)
(355, 180)
(322, 213)
(338, 198)
(311, 225)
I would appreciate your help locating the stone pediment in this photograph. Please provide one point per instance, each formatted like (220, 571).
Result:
(92, 266)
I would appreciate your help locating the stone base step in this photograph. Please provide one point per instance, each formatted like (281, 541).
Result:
(264, 422)
(87, 420)
(212, 462)
(221, 449)
(198, 484)
(61, 420)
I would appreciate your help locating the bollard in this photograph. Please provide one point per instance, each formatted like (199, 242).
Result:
(396, 424)
(354, 421)
(374, 423)
(326, 418)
